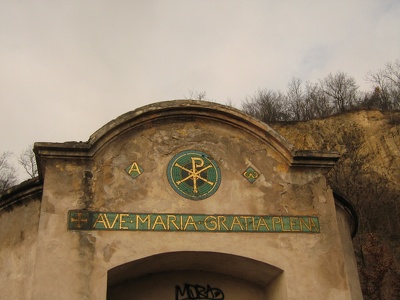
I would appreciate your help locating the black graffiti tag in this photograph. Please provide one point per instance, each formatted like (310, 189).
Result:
(198, 292)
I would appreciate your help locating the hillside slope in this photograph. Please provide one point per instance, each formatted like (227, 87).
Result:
(368, 174)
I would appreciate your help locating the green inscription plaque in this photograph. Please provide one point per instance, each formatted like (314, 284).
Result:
(84, 220)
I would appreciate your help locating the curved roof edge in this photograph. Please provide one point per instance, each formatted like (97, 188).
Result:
(181, 109)
(21, 192)
(347, 206)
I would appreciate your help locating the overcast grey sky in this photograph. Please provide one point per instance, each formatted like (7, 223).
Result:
(68, 67)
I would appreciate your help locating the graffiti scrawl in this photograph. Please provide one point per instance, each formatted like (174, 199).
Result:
(198, 292)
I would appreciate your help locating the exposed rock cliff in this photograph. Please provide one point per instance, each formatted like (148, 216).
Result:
(368, 174)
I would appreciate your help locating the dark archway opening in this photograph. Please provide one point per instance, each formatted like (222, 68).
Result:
(195, 275)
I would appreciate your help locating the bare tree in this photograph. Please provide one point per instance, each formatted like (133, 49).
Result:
(229, 102)
(195, 95)
(341, 89)
(316, 101)
(267, 106)
(8, 173)
(296, 100)
(386, 83)
(380, 97)
(310, 103)
(28, 161)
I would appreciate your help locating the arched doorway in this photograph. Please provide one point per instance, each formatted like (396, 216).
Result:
(195, 275)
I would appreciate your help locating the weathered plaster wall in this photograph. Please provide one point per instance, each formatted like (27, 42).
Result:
(18, 238)
(65, 186)
(348, 250)
(75, 264)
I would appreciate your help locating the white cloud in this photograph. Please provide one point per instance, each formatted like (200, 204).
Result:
(68, 67)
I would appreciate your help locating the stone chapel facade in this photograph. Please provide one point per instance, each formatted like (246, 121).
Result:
(178, 200)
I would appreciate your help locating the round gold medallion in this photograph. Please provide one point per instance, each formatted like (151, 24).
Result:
(194, 175)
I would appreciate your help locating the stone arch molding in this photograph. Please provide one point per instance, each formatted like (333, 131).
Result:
(183, 274)
(181, 109)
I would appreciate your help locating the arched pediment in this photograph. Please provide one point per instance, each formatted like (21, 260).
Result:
(181, 110)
